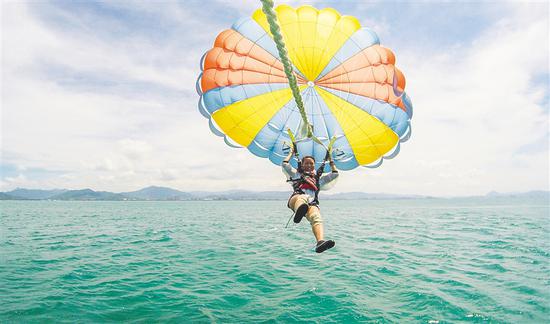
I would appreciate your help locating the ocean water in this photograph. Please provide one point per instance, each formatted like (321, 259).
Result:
(407, 261)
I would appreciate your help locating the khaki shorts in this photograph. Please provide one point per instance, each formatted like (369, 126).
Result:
(313, 214)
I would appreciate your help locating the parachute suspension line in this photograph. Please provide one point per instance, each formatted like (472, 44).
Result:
(288, 222)
(267, 8)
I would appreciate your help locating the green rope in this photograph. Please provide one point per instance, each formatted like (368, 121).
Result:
(267, 8)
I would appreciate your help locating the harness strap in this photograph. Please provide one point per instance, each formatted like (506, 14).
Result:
(319, 172)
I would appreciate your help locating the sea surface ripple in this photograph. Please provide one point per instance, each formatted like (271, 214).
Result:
(420, 261)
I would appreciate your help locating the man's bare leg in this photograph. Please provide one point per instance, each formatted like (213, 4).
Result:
(318, 231)
(314, 216)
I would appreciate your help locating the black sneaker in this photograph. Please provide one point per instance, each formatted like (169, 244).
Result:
(300, 213)
(322, 245)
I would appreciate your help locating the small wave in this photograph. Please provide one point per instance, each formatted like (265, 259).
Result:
(387, 271)
(478, 316)
(495, 266)
(164, 238)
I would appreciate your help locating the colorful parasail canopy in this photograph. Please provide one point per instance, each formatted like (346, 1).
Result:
(352, 92)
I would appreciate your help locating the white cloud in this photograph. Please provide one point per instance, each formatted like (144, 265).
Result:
(247, 7)
(16, 180)
(475, 109)
(134, 150)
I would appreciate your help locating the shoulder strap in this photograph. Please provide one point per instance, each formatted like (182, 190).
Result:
(295, 149)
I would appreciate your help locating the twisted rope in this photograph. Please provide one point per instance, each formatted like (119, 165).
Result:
(267, 8)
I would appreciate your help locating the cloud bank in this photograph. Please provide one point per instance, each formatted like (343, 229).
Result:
(102, 96)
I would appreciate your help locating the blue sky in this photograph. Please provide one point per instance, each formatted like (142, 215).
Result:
(102, 95)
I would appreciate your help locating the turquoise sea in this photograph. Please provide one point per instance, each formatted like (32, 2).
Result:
(403, 261)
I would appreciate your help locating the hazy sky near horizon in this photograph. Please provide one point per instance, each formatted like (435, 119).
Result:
(102, 95)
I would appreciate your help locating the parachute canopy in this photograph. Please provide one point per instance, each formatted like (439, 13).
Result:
(350, 87)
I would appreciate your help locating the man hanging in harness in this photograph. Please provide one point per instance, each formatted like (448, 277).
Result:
(306, 183)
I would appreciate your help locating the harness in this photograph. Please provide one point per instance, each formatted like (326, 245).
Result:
(297, 185)
(305, 181)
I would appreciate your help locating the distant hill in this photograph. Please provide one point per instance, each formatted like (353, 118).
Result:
(165, 194)
(364, 195)
(240, 195)
(5, 196)
(35, 193)
(158, 193)
(88, 194)
(283, 195)
(528, 194)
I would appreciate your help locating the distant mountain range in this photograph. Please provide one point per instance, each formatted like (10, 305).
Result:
(34, 193)
(166, 194)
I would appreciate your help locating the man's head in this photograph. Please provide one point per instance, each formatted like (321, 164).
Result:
(308, 163)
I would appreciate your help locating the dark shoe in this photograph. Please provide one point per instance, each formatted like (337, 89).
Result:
(322, 246)
(300, 213)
